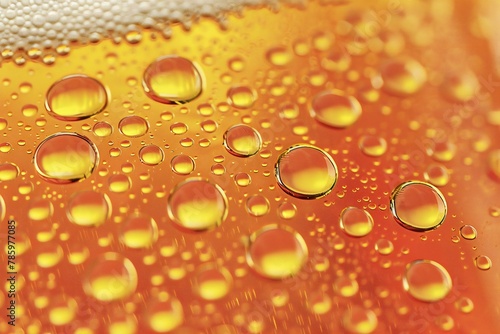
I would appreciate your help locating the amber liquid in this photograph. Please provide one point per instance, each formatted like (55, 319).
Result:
(58, 259)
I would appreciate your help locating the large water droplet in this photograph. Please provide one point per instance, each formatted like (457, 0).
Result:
(418, 206)
(197, 204)
(65, 158)
(427, 280)
(334, 108)
(276, 252)
(173, 80)
(76, 97)
(306, 172)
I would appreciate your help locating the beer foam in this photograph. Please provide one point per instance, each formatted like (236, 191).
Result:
(46, 24)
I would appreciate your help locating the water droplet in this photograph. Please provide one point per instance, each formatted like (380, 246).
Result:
(242, 140)
(182, 164)
(172, 80)
(445, 322)
(289, 111)
(102, 129)
(279, 56)
(8, 171)
(373, 146)
(257, 205)
(65, 158)
(49, 255)
(359, 320)
(197, 204)
(287, 210)
(356, 222)
(178, 128)
(76, 97)
(437, 174)
(212, 282)
(164, 313)
(464, 304)
(209, 126)
(29, 110)
(306, 172)
(418, 206)
(483, 262)
(336, 61)
(151, 155)
(243, 179)
(346, 286)
(139, 231)
(110, 277)
(242, 97)
(427, 280)
(133, 126)
(319, 302)
(443, 150)
(88, 208)
(62, 310)
(335, 109)
(384, 246)
(402, 76)
(468, 232)
(273, 259)
(461, 86)
(119, 183)
(237, 64)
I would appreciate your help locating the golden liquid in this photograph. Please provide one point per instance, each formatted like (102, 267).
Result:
(138, 210)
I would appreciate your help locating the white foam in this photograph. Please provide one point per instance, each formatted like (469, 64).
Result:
(46, 24)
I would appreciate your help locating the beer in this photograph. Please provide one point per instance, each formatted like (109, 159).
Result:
(179, 167)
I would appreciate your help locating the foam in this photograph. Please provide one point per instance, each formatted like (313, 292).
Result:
(46, 24)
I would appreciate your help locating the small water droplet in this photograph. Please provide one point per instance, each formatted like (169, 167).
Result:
(483, 262)
(182, 164)
(373, 146)
(356, 222)
(402, 76)
(242, 97)
(88, 208)
(335, 109)
(133, 126)
(468, 232)
(151, 155)
(359, 320)
(139, 231)
(257, 205)
(212, 282)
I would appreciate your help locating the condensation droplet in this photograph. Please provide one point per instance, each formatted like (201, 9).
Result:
(242, 140)
(151, 155)
(257, 205)
(287, 210)
(359, 320)
(464, 304)
(29, 110)
(243, 179)
(242, 97)
(384, 246)
(102, 129)
(460, 87)
(483, 262)
(306, 172)
(8, 171)
(182, 164)
(276, 252)
(212, 282)
(437, 174)
(356, 222)
(373, 146)
(402, 76)
(468, 232)
(427, 280)
(289, 111)
(172, 80)
(164, 313)
(197, 204)
(65, 158)
(279, 56)
(139, 231)
(335, 108)
(133, 126)
(76, 97)
(418, 206)
(110, 277)
(88, 208)
(119, 183)
(345, 286)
